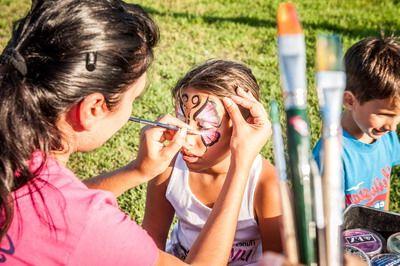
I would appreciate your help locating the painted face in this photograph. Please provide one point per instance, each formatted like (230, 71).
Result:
(376, 117)
(206, 116)
(204, 112)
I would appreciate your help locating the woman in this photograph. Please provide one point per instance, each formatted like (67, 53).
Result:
(69, 75)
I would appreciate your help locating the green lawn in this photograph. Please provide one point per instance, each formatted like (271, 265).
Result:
(196, 30)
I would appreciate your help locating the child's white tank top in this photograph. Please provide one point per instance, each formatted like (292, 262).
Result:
(192, 214)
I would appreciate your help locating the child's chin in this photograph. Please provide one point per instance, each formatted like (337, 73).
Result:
(196, 167)
(190, 159)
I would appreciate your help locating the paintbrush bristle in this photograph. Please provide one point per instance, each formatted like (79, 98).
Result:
(288, 21)
(329, 53)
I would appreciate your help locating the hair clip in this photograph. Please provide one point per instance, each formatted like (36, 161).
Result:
(91, 60)
(16, 60)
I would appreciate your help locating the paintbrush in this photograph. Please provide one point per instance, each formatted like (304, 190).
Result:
(331, 82)
(288, 232)
(163, 125)
(292, 62)
(319, 212)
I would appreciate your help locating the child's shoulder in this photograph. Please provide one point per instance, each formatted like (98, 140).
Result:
(266, 164)
(268, 172)
(392, 137)
(266, 193)
(317, 146)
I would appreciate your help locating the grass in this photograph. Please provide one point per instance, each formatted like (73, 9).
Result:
(195, 30)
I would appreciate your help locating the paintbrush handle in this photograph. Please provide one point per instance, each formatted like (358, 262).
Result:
(331, 81)
(319, 213)
(289, 231)
(333, 199)
(300, 175)
(163, 125)
(153, 123)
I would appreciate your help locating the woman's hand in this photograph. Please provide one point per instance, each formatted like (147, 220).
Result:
(250, 135)
(158, 146)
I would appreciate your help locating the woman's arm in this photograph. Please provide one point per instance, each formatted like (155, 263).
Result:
(159, 212)
(267, 207)
(117, 181)
(154, 156)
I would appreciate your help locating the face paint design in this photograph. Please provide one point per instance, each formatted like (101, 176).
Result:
(184, 105)
(206, 116)
(209, 121)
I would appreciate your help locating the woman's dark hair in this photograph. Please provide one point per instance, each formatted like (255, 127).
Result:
(60, 52)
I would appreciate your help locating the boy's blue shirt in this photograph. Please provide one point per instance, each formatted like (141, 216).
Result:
(366, 168)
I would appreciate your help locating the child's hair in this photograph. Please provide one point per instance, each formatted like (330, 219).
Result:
(60, 52)
(373, 69)
(218, 77)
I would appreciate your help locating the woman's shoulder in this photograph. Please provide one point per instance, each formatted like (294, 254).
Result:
(113, 233)
(78, 224)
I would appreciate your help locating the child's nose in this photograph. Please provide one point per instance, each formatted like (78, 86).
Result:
(191, 140)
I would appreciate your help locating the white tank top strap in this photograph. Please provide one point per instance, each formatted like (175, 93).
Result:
(255, 173)
(179, 170)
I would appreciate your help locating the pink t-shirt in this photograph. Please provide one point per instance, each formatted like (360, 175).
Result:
(69, 224)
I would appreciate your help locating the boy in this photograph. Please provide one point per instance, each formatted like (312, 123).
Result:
(372, 112)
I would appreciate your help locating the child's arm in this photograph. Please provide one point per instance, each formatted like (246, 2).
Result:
(158, 212)
(267, 207)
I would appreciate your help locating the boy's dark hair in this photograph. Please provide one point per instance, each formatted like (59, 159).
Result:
(218, 77)
(373, 68)
(60, 52)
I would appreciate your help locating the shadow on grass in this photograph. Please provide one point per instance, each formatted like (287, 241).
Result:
(270, 23)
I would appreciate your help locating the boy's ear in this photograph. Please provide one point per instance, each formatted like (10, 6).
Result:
(349, 100)
(90, 110)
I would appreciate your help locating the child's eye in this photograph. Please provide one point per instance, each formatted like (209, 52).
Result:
(387, 114)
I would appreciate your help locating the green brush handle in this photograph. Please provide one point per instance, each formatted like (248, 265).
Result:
(300, 176)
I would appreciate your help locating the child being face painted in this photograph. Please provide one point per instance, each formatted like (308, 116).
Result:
(205, 112)
(190, 187)
(198, 103)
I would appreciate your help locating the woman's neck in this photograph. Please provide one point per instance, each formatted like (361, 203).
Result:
(61, 156)
(68, 142)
